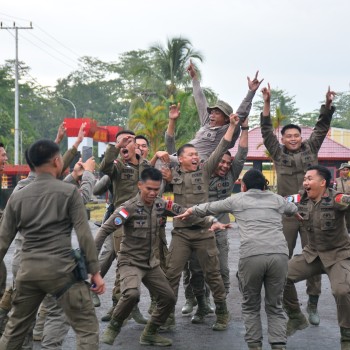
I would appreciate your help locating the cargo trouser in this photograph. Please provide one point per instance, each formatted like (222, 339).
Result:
(3, 277)
(339, 277)
(202, 242)
(56, 324)
(157, 284)
(291, 228)
(270, 271)
(107, 255)
(76, 303)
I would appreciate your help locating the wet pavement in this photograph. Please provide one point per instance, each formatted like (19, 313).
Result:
(188, 336)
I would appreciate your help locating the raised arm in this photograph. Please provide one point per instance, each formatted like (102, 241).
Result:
(198, 95)
(223, 146)
(270, 140)
(174, 114)
(246, 105)
(323, 123)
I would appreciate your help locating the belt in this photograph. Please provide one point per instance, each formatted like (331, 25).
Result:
(194, 227)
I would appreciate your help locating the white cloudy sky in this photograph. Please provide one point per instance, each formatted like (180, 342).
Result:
(301, 46)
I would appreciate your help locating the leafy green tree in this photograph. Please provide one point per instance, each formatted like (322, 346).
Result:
(281, 100)
(341, 118)
(170, 62)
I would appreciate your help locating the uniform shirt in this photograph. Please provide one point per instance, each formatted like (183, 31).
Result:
(221, 187)
(140, 225)
(45, 213)
(207, 138)
(291, 166)
(124, 177)
(259, 218)
(324, 222)
(191, 188)
(342, 185)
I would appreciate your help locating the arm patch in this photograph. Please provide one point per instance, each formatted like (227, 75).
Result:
(342, 199)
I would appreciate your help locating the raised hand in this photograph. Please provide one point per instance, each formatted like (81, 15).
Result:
(174, 111)
(266, 92)
(254, 84)
(192, 70)
(329, 97)
(60, 133)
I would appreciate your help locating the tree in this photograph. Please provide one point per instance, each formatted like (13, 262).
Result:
(281, 100)
(341, 118)
(170, 62)
(150, 122)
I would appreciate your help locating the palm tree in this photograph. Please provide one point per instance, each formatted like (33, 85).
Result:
(151, 122)
(171, 62)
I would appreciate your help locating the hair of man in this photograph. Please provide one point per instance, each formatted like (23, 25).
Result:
(183, 147)
(151, 174)
(254, 179)
(290, 126)
(42, 151)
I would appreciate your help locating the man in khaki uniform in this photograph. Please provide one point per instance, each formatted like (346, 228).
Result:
(124, 174)
(342, 184)
(190, 182)
(140, 219)
(45, 213)
(322, 212)
(291, 160)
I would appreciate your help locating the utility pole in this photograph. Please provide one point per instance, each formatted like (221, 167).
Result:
(16, 85)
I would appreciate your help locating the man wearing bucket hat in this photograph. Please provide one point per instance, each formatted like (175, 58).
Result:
(342, 184)
(214, 119)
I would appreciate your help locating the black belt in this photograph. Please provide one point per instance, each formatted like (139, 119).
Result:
(194, 227)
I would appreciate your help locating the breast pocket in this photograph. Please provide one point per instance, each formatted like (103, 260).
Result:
(198, 185)
(210, 135)
(327, 220)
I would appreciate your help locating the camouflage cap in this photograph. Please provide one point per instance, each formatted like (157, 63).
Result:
(223, 106)
(344, 165)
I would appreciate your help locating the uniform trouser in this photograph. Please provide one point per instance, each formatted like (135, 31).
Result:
(76, 303)
(162, 254)
(291, 227)
(270, 271)
(183, 243)
(339, 276)
(193, 278)
(155, 281)
(56, 324)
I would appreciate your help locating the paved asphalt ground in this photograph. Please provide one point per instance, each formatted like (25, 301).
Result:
(192, 337)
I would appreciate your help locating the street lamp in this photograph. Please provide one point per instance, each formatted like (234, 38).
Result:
(66, 99)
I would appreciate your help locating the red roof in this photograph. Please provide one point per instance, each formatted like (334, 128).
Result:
(330, 149)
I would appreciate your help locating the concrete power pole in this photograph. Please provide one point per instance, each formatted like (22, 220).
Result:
(16, 86)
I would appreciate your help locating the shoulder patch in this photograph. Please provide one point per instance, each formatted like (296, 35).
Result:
(294, 198)
(342, 199)
(124, 213)
(169, 205)
(118, 221)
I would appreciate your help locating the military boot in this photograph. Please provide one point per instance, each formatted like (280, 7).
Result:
(210, 307)
(202, 310)
(111, 332)
(189, 305)
(345, 338)
(222, 317)
(150, 336)
(296, 322)
(311, 309)
(169, 323)
(255, 346)
(137, 316)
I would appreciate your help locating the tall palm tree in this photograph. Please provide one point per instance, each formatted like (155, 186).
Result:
(170, 62)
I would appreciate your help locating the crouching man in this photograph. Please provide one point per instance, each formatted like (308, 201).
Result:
(322, 213)
(141, 219)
